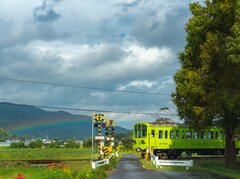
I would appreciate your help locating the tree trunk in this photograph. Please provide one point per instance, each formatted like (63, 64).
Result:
(230, 148)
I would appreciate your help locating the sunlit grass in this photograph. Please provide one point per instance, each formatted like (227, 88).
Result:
(46, 153)
(65, 170)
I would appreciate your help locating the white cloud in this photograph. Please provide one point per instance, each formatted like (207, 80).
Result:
(98, 62)
(138, 84)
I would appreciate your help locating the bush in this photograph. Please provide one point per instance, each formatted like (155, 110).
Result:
(71, 144)
(17, 145)
(87, 142)
(54, 145)
(36, 144)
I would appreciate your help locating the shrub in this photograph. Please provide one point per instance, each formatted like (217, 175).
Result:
(36, 144)
(71, 144)
(54, 145)
(17, 145)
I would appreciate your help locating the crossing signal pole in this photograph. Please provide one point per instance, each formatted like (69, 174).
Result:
(109, 133)
(98, 120)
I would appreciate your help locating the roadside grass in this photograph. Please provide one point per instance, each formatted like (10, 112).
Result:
(65, 170)
(32, 172)
(207, 166)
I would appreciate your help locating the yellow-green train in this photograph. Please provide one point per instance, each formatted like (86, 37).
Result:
(173, 139)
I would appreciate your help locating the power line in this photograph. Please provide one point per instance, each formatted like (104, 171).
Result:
(83, 87)
(87, 110)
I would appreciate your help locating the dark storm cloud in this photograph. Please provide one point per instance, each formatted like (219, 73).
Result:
(125, 6)
(45, 12)
(153, 25)
(152, 32)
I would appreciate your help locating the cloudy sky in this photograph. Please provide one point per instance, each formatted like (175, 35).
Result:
(112, 44)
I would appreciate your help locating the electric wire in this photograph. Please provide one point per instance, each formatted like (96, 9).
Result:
(83, 87)
(88, 110)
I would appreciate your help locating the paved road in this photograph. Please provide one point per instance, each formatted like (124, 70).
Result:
(129, 167)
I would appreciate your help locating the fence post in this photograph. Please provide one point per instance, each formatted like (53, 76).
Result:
(93, 165)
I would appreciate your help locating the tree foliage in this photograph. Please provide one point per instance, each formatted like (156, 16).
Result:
(3, 134)
(208, 85)
(54, 144)
(19, 144)
(87, 142)
(71, 144)
(124, 139)
(36, 144)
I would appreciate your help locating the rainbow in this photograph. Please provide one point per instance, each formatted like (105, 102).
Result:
(36, 124)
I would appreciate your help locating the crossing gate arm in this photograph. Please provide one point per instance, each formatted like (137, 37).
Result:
(101, 162)
(184, 163)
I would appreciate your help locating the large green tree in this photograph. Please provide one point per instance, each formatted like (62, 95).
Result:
(208, 85)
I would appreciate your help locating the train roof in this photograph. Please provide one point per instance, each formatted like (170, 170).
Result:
(165, 122)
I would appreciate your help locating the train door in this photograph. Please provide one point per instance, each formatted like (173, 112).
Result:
(172, 138)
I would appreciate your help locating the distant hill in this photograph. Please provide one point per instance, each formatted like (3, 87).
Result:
(33, 121)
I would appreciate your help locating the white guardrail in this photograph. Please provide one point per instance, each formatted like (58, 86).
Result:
(157, 162)
(103, 162)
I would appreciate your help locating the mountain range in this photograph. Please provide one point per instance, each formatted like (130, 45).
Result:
(26, 120)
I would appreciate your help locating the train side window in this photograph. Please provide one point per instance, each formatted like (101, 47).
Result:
(221, 135)
(203, 135)
(188, 134)
(210, 135)
(135, 131)
(153, 133)
(166, 134)
(139, 131)
(171, 134)
(183, 134)
(195, 135)
(160, 134)
(144, 131)
(216, 135)
(177, 134)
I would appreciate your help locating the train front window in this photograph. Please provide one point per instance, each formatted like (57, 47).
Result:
(139, 131)
(135, 131)
(160, 134)
(153, 133)
(144, 131)
(166, 134)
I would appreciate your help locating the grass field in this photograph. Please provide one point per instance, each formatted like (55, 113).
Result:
(45, 153)
(64, 170)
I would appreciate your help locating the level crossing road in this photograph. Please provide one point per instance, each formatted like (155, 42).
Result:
(129, 167)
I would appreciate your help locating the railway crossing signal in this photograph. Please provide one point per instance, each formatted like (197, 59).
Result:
(98, 123)
(98, 120)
